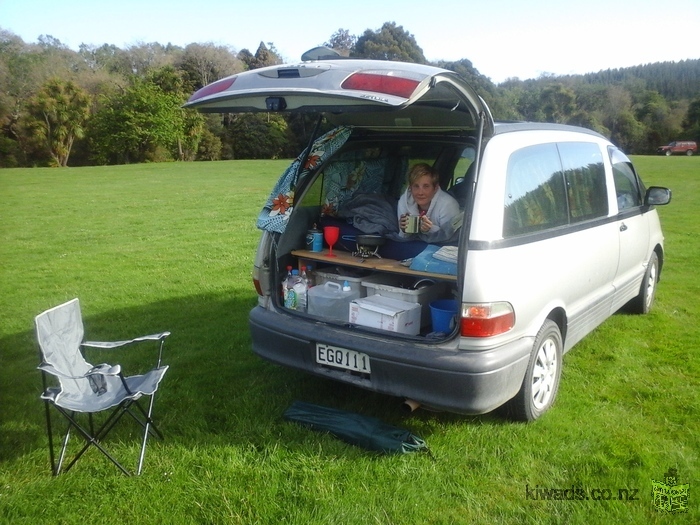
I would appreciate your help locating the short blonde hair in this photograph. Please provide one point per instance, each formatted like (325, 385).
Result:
(420, 170)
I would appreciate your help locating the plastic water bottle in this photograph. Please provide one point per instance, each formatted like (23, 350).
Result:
(310, 277)
(285, 288)
(301, 289)
(290, 291)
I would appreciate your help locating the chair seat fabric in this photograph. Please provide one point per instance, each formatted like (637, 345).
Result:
(139, 385)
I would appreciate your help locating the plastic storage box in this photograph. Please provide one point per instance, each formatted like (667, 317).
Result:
(339, 276)
(329, 300)
(402, 288)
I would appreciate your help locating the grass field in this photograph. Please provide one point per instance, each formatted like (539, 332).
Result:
(170, 246)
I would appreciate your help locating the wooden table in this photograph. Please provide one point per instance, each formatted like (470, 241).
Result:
(370, 263)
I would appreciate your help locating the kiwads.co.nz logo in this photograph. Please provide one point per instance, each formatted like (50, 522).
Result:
(669, 495)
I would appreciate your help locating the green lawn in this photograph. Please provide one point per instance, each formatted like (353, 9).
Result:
(170, 246)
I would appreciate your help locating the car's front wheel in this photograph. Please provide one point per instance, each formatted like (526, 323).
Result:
(668, 152)
(541, 382)
(689, 152)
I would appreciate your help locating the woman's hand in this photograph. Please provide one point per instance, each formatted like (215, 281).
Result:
(425, 224)
(402, 222)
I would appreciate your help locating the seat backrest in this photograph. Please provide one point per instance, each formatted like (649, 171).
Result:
(60, 334)
(460, 191)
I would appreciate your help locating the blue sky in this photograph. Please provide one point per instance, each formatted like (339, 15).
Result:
(502, 38)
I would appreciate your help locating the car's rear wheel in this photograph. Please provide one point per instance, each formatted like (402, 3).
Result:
(689, 152)
(541, 383)
(643, 303)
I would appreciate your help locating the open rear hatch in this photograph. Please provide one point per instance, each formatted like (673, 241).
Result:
(365, 93)
(405, 112)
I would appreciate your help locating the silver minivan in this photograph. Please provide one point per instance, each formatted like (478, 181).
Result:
(555, 233)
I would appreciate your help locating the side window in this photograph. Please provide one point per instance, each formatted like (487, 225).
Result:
(535, 192)
(465, 160)
(627, 186)
(585, 180)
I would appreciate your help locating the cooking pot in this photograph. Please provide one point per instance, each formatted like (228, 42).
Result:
(370, 241)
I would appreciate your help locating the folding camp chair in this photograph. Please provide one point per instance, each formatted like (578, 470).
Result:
(87, 389)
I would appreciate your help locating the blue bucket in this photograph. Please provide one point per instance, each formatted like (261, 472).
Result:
(443, 313)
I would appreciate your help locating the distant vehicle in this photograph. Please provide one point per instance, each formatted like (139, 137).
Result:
(680, 147)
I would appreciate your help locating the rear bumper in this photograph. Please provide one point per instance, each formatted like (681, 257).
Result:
(467, 382)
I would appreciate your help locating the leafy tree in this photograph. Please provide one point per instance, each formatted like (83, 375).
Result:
(136, 125)
(142, 58)
(59, 112)
(691, 123)
(203, 64)
(137, 115)
(263, 57)
(342, 41)
(558, 103)
(391, 42)
(257, 136)
(106, 57)
(657, 116)
(210, 146)
(146, 122)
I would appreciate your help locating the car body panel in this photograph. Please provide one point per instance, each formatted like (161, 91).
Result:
(441, 377)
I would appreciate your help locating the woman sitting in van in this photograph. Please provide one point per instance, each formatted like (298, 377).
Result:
(437, 212)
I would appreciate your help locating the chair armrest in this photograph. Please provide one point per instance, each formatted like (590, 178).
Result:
(106, 345)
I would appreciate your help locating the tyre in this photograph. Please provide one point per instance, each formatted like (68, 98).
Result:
(645, 300)
(541, 382)
(668, 152)
(689, 152)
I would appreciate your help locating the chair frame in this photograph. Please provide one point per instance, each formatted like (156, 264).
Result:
(130, 404)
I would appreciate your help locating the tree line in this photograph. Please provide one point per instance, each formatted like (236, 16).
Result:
(108, 105)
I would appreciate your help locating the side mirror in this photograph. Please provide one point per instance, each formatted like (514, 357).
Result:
(657, 196)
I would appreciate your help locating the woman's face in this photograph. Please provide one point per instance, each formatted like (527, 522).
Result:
(423, 191)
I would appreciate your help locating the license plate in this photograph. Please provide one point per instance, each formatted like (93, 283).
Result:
(342, 358)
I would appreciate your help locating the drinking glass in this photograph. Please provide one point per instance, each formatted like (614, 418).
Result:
(331, 234)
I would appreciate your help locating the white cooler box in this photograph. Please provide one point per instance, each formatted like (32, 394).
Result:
(388, 285)
(386, 313)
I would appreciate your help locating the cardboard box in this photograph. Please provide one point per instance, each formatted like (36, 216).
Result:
(396, 287)
(386, 313)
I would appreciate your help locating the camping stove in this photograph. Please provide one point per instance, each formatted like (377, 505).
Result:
(366, 252)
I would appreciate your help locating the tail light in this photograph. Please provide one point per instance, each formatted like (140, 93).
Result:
(258, 288)
(211, 89)
(386, 84)
(256, 281)
(486, 320)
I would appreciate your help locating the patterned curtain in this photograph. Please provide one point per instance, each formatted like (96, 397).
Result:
(275, 214)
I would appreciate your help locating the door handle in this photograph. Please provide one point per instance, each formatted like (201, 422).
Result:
(623, 227)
